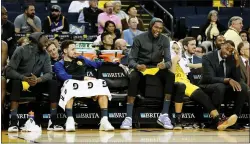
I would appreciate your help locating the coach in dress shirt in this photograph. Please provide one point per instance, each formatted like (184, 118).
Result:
(243, 49)
(221, 77)
(189, 44)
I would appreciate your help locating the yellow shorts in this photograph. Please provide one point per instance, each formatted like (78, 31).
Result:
(190, 88)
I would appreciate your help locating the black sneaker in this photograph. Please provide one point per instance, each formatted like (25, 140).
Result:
(178, 124)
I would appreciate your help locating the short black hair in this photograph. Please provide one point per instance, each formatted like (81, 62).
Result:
(246, 32)
(203, 49)
(65, 44)
(26, 6)
(104, 34)
(129, 7)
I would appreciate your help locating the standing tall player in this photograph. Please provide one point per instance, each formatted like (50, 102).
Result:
(73, 69)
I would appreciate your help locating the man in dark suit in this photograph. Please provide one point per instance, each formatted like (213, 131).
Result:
(221, 77)
(218, 41)
(243, 49)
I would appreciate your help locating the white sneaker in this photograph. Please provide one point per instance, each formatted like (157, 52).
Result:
(31, 126)
(13, 129)
(105, 125)
(30, 136)
(52, 127)
(70, 124)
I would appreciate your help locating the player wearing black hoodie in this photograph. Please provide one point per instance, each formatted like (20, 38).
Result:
(31, 64)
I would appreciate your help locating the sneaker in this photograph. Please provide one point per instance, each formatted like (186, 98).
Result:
(178, 123)
(164, 121)
(31, 126)
(178, 126)
(13, 125)
(13, 129)
(105, 125)
(53, 127)
(127, 123)
(70, 124)
(227, 122)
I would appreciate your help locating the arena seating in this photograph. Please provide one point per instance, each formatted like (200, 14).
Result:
(148, 103)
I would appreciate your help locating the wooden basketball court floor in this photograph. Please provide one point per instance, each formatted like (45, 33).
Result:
(127, 136)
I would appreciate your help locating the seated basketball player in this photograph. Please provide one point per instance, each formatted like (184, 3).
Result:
(183, 86)
(4, 56)
(72, 68)
(147, 52)
(31, 64)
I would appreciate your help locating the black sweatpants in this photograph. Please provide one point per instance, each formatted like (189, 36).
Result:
(50, 87)
(220, 92)
(167, 78)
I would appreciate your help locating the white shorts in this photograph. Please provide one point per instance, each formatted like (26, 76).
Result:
(75, 88)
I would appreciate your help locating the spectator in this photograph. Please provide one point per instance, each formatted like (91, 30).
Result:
(57, 42)
(28, 22)
(91, 14)
(200, 51)
(221, 77)
(132, 12)
(244, 36)
(132, 32)
(31, 64)
(56, 22)
(72, 67)
(117, 10)
(189, 44)
(142, 57)
(211, 29)
(249, 34)
(220, 39)
(108, 15)
(243, 49)
(235, 26)
(120, 44)
(23, 41)
(183, 87)
(8, 32)
(4, 57)
(110, 28)
(53, 52)
(78, 6)
(107, 41)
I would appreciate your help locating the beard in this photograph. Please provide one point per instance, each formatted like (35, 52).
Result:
(31, 15)
(54, 17)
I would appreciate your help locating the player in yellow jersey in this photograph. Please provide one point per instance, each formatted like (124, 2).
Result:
(184, 87)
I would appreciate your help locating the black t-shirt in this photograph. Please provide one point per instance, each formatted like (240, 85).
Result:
(8, 35)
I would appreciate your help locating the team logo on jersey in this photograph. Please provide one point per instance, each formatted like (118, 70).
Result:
(79, 63)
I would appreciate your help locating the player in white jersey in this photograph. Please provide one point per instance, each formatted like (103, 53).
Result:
(72, 71)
